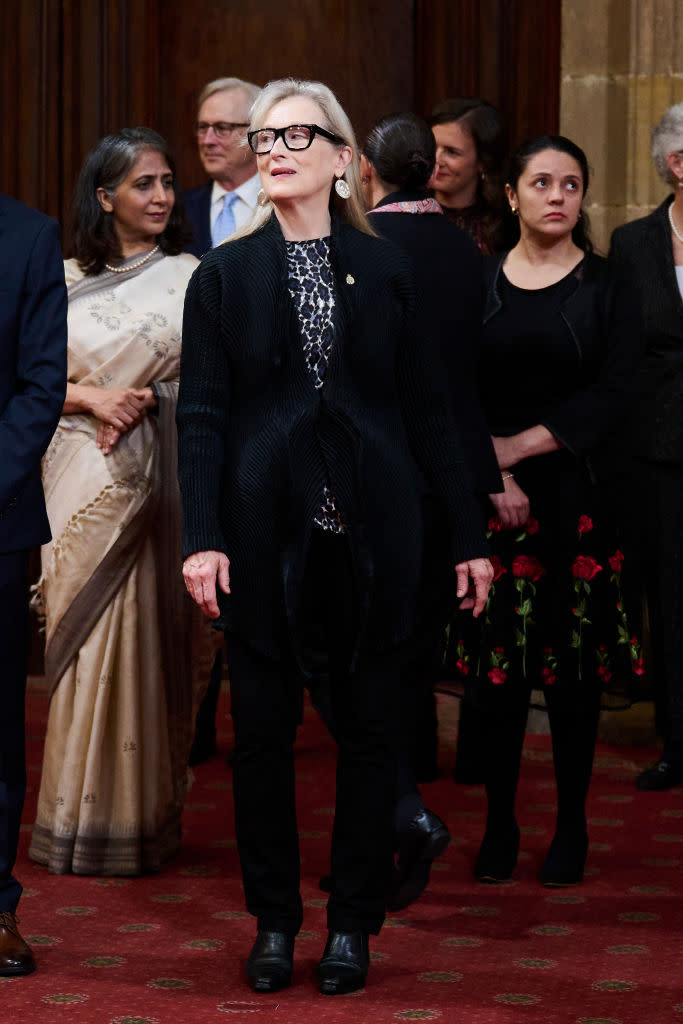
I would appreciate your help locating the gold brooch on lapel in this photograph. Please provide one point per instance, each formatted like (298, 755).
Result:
(350, 279)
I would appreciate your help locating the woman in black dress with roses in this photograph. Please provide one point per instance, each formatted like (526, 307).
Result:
(558, 350)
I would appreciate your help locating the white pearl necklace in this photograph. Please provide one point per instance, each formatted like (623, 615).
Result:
(673, 226)
(139, 263)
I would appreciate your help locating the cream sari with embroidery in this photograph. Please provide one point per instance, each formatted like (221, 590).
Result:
(125, 654)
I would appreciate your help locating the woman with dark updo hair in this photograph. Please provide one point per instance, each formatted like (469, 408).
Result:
(120, 654)
(471, 146)
(396, 164)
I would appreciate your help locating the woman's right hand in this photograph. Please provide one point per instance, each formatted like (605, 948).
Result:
(200, 571)
(121, 408)
(512, 506)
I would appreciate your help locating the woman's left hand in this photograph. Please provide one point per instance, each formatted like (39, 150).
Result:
(480, 571)
(107, 436)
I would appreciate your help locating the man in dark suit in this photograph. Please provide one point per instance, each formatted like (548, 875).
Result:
(32, 390)
(214, 211)
(228, 200)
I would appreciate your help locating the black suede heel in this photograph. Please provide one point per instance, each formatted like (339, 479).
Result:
(497, 857)
(566, 859)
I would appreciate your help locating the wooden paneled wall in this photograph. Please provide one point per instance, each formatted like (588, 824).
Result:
(73, 70)
(506, 51)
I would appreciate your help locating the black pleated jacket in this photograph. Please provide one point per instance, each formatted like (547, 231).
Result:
(257, 441)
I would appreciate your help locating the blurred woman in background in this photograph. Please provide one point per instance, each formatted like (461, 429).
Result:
(471, 145)
(396, 164)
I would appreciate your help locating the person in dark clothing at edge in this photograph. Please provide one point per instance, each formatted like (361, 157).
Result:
(396, 164)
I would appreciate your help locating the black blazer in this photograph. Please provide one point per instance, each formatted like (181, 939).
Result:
(198, 209)
(642, 251)
(447, 266)
(258, 442)
(32, 366)
(602, 316)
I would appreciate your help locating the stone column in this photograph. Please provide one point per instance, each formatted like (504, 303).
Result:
(622, 66)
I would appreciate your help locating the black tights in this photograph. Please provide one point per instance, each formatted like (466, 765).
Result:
(573, 730)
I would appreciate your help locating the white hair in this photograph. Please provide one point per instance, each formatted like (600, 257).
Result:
(335, 120)
(667, 137)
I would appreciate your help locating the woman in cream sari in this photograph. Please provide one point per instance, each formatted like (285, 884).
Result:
(123, 650)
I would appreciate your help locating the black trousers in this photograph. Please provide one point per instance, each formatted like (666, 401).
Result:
(663, 548)
(14, 647)
(266, 699)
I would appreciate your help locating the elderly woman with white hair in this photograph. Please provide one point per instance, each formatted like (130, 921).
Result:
(650, 252)
(311, 424)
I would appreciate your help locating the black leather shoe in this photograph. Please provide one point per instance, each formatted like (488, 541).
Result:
(497, 857)
(344, 964)
(426, 838)
(16, 956)
(270, 963)
(662, 775)
(566, 859)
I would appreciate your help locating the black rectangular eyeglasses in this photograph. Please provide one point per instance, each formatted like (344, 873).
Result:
(295, 136)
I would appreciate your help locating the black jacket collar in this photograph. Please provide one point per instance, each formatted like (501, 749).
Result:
(494, 301)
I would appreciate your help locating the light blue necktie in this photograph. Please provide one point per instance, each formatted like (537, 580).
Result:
(224, 225)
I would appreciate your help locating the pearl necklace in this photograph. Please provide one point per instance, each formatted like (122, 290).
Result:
(673, 226)
(140, 263)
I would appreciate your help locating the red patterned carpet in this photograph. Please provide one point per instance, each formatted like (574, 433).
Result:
(169, 949)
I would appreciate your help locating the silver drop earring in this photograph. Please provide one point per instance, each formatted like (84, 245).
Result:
(342, 189)
(261, 197)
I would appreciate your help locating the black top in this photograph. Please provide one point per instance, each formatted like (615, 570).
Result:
(529, 363)
(481, 227)
(257, 440)
(601, 315)
(449, 280)
(643, 253)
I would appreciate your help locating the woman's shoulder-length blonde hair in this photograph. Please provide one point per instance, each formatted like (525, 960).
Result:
(335, 120)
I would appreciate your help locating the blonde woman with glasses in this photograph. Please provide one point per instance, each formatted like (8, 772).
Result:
(311, 416)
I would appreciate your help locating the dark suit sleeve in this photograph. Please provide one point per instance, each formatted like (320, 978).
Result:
(29, 419)
(202, 413)
(592, 413)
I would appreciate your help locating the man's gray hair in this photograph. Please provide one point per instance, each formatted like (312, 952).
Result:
(250, 90)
